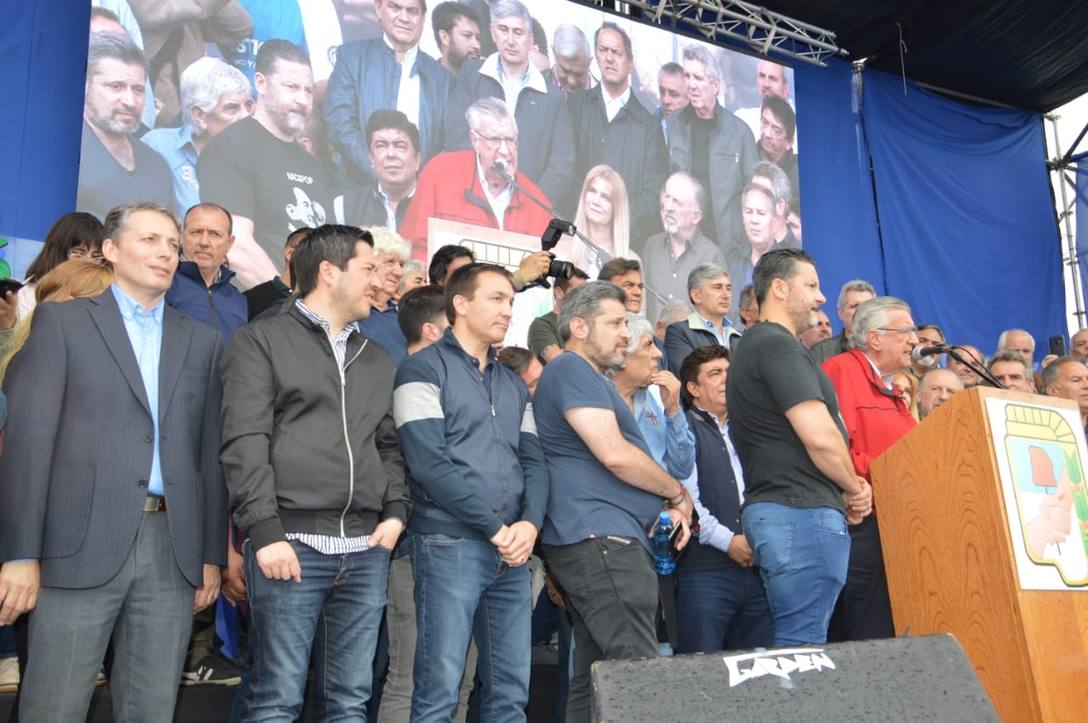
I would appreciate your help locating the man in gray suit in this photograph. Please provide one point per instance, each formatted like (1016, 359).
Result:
(113, 498)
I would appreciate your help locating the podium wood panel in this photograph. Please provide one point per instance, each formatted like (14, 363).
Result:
(951, 566)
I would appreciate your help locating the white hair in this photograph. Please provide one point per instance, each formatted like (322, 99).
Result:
(570, 43)
(871, 316)
(389, 242)
(204, 82)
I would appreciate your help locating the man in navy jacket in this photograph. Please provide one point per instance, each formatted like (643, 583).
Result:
(387, 72)
(479, 485)
(202, 286)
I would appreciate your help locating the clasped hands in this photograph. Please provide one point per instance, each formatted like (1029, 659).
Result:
(859, 505)
(515, 542)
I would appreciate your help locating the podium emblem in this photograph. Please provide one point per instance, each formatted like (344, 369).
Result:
(1049, 495)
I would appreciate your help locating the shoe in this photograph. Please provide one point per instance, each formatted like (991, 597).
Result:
(9, 675)
(101, 678)
(213, 669)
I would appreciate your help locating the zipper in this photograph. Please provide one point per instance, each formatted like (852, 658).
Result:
(495, 431)
(211, 309)
(344, 422)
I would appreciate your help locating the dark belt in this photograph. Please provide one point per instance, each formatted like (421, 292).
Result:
(154, 503)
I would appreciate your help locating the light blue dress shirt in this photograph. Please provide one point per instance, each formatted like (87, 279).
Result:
(670, 439)
(144, 329)
(723, 337)
(176, 147)
(711, 531)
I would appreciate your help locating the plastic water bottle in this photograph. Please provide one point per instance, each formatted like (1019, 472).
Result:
(664, 564)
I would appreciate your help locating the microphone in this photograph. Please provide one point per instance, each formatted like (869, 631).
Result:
(924, 355)
(500, 167)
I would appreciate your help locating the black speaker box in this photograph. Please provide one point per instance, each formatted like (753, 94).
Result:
(902, 679)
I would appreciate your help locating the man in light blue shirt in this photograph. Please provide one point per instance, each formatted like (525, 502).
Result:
(213, 96)
(654, 399)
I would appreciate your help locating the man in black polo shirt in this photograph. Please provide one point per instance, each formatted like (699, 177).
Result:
(258, 170)
(801, 488)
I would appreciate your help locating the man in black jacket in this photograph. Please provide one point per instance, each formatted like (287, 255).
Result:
(316, 479)
(616, 130)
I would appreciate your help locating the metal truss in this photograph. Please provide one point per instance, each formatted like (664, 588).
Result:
(764, 31)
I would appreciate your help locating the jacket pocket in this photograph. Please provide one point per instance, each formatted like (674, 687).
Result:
(68, 510)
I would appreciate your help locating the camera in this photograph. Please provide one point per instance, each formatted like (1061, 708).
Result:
(548, 240)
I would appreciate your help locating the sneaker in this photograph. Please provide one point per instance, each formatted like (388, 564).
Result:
(213, 669)
(9, 675)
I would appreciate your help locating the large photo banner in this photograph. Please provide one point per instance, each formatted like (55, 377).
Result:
(493, 114)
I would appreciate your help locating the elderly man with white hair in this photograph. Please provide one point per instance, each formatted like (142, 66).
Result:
(876, 416)
(654, 398)
(213, 96)
(390, 252)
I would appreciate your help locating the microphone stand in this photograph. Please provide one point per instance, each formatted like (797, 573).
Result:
(974, 366)
(602, 255)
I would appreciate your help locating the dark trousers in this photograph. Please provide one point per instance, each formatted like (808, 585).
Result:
(612, 597)
(864, 609)
(723, 610)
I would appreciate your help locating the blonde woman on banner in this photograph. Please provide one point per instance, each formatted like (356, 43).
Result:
(604, 216)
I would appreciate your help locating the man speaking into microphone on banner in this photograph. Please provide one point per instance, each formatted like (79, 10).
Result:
(477, 186)
(876, 416)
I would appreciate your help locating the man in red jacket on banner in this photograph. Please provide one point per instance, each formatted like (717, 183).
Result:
(476, 186)
(876, 416)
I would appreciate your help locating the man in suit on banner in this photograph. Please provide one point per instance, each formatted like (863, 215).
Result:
(114, 503)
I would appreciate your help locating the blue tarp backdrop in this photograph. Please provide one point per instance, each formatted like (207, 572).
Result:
(966, 231)
(1081, 231)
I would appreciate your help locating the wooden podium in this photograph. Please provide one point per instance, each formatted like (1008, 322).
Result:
(949, 496)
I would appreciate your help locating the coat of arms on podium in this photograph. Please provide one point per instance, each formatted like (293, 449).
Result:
(1041, 453)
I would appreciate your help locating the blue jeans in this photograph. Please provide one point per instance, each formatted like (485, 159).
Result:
(802, 555)
(722, 610)
(336, 611)
(463, 589)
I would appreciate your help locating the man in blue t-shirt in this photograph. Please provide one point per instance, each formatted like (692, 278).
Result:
(606, 491)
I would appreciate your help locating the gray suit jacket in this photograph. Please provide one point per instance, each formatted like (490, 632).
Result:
(73, 476)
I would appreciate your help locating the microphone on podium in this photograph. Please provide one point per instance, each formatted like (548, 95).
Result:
(927, 355)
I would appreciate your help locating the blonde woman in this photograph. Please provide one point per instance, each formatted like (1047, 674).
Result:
(73, 279)
(604, 216)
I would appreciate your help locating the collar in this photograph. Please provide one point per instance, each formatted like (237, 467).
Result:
(697, 321)
(183, 137)
(131, 309)
(492, 68)
(883, 384)
(710, 418)
(448, 339)
(508, 192)
(885, 378)
(410, 55)
(407, 197)
(351, 326)
(609, 101)
(190, 270)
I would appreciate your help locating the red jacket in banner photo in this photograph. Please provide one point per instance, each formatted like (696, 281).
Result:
(875, 416)
(449, 188)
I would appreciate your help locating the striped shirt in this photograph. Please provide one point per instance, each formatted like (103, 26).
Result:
(331, 544)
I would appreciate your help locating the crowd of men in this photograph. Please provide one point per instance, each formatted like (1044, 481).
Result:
(274, 403)
(291, 123)
(339, 448)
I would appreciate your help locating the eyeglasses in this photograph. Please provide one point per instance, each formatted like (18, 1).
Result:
(903, 330)
(86, 255)
(495, 142)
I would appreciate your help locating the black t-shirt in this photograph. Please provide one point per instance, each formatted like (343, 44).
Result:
(770, 373)
(277, 185)
(105, 183)
(700, 168)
